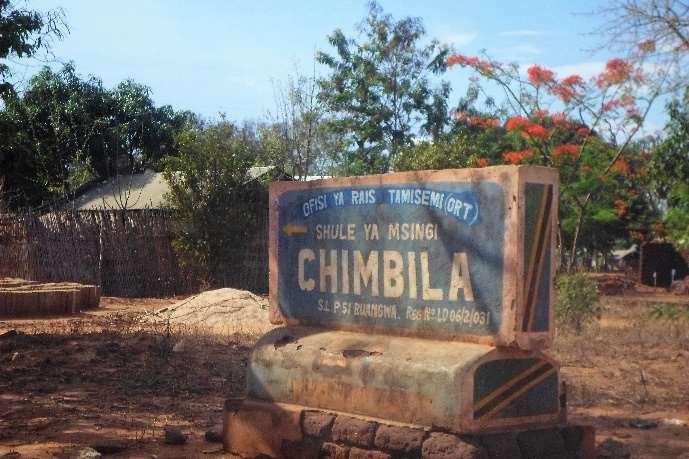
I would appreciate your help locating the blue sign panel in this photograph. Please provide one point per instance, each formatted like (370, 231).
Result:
(409, 256)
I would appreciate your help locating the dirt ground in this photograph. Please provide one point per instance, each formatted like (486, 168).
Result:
(105, 378)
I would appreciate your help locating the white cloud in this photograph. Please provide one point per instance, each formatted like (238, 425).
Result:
(459, 39)
(585, 70)
(523, 33)
(518, 53)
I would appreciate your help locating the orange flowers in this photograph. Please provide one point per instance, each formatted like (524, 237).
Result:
(616, 71)
(528, 128)
(622, 167)
(560, 120)
(515, 157)
(539, 76)
(517, 123)
(621, 207)
(476, 120)
(583, 132)
(482, 162)
(568, 89)
(573, 81)
(565, 93)
(482, 66)
(536, 131)
(566, 149)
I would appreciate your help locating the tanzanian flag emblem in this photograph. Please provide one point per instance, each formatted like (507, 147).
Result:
(513, 388)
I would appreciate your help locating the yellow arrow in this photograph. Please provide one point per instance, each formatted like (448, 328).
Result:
(291, 229)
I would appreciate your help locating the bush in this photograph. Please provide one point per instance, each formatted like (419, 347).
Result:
(577, 301)
(217, 208)
(674, 317)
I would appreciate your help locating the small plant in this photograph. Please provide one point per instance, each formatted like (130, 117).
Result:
(674, 316)
(577, 301)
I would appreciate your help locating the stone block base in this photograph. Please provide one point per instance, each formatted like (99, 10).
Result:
(254, 428)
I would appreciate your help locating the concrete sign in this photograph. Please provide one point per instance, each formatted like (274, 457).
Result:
(454, 254)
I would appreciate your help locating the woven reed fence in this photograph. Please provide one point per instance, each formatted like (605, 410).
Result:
(128, 253)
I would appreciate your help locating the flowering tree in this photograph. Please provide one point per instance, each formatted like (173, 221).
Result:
(652, 32)
(585, 128)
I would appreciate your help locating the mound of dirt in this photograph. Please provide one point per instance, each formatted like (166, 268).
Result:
(613, 284)
(225, 310)
(620, 284)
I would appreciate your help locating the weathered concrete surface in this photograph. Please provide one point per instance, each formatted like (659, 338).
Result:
(458, 386)
(19, 297)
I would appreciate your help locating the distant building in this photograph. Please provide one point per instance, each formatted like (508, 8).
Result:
(626, 259)
(140, 191)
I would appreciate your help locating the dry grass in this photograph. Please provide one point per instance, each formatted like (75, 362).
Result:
(630, 365)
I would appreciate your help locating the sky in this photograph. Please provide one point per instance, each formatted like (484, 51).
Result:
(213, 56)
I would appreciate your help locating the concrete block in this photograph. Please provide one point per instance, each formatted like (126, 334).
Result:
(317, 423)
(400, 439)
(334, 451)
(357, 453)
(447, 446)
(353, 431)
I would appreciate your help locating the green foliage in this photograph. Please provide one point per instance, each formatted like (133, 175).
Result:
(671, 312)
(670, 165)
(64, 130)
(211, 193)
(22, 34)
(577, 301)
(674, 316)
(379, 90)
(465, 145)
(452, 151)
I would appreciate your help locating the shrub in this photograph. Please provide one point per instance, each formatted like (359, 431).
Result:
(675, 318)
(577, 301)
(217, 207)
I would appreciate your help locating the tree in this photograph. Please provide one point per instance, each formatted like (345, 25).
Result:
(671, 171)
(296, 138)
(210, 193)
(22, 34)
(63, 131)
(590, 139)
(653, 32)
(379, 90)
(476, 139)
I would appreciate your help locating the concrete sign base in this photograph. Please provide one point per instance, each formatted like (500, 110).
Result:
(463, 387)
(255, 428)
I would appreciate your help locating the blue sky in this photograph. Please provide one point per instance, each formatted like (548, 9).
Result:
(214, 56)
